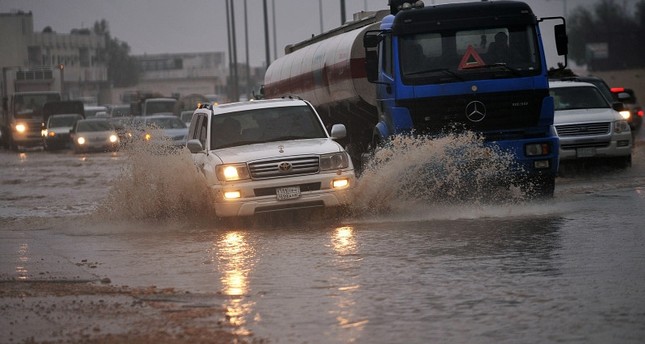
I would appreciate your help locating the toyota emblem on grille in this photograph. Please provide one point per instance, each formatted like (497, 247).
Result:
(284, 166)
(475, 111)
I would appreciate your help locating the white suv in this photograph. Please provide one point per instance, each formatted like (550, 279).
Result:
(270, 155)
(588, 126)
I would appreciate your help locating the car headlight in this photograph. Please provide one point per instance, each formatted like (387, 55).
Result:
(147, 137)
(334, 161)
(625, 114)
(232, 172)
(80, 140)
(50, 133)
(621, 127)
(21, 128)
(113, 138)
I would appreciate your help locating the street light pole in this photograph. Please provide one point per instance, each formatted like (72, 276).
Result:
(266, 34)
(236, 91)
(246, 50)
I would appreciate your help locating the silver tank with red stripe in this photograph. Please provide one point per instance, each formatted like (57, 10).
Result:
(329, 71)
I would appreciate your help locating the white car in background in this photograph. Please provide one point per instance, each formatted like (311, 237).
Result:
(270, 155)
(588, 126)
(94, 134)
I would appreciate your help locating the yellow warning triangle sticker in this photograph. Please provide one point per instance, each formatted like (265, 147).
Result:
(471, 59)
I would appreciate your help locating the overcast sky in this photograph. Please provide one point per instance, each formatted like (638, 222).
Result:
(186, 26)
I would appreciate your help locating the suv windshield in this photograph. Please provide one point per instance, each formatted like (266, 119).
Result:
(265, 125)
(571, 98)
(451, 56)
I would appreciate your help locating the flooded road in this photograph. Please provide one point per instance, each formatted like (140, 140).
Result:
(568, 270)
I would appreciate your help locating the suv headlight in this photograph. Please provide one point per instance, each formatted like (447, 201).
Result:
(621, 127)
(625, 114)
(334, 161)
(232, 172)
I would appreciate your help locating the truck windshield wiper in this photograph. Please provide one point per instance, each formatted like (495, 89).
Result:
(493, 65)
(442, 70)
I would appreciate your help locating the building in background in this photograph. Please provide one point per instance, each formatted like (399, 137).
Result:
(182, 74)
(78, 52)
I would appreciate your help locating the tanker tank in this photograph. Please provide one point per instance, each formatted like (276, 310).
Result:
(328, 70)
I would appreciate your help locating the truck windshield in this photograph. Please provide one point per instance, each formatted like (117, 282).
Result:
(31, 105)
(265, 125)
(472, 54)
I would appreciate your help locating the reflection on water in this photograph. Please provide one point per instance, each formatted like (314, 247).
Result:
(234, 260)
(347, 264)
(23, 259)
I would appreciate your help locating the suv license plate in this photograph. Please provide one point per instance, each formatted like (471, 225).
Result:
(585, 152)
(289, 192)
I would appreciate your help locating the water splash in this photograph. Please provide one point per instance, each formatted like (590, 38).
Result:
(410, 171)
(157, 182)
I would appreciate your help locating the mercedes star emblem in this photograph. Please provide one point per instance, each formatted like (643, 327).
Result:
(475, 111)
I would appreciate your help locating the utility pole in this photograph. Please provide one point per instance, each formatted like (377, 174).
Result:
(342, 12)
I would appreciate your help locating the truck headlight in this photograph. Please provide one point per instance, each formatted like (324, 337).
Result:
(232, 172)
(334, 161)
(21, 128)
(537, 149)
(621, 127)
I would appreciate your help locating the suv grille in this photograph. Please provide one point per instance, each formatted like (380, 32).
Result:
(585, 129)
(271, 168)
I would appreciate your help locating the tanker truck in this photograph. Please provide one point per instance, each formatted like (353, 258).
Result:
(24, 93)
(477, 66)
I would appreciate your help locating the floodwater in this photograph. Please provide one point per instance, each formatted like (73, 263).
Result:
(399, 269)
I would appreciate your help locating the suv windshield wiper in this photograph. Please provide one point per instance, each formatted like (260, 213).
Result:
(430, 71)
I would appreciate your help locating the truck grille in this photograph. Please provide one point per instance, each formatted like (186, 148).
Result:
(585, 129)
(277, 168)
(505, 111)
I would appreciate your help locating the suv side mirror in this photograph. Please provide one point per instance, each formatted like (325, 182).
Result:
(338, 131)
(618, 106)
(194, 146)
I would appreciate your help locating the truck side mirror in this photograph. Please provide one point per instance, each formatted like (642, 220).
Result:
(561, 39)
(371, 39)
(371, 65)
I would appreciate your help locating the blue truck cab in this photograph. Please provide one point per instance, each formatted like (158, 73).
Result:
(476, 66)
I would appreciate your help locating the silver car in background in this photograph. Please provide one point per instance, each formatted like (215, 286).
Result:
(588, 126)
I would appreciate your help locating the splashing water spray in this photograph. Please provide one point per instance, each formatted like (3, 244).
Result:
(157, 182)
(443, 171)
